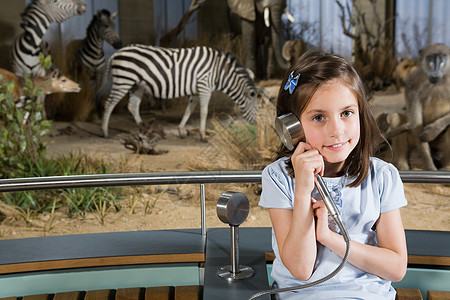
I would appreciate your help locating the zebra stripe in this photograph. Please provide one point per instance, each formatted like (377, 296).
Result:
(36, 19)
(168, 73)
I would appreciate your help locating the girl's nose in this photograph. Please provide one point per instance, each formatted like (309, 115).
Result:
(336, 127)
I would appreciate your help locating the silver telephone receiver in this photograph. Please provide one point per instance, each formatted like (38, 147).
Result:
(289, 130)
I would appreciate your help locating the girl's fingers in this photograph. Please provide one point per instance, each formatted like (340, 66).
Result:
(307, 155)
(301, 148)
(322, 168)
(318, 204)
(320, 210)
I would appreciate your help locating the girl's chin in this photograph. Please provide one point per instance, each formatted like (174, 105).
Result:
(335, 156)
(335, 159)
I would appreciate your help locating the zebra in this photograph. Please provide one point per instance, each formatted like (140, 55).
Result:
(36, 19)
(168, 73)
(87, 54)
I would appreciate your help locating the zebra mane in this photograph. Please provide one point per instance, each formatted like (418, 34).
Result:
(97, 19)
(105, 12)
(238, 67)
(232, 60)
(31, 6)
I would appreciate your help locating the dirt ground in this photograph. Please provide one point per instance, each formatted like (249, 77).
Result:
(178, 206)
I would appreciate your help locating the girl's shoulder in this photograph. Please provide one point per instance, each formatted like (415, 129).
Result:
(381, 168)
(279, 165)
(277, 186)
(379, 165)
(277, 170)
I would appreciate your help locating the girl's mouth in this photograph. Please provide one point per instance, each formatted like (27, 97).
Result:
(336, 147)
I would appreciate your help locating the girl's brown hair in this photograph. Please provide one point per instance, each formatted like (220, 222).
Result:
(317, 68)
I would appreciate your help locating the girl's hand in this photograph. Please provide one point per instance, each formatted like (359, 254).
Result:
(323, 232)
(306, 162)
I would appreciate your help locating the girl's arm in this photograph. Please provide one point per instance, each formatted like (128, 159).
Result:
(295, 235)
(295, 229)
(388, 260)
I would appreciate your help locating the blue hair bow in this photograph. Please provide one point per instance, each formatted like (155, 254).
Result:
(292, 82)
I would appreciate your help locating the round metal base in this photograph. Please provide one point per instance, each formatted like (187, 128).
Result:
(244, 272)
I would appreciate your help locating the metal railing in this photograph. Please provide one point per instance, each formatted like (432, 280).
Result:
(188, 177)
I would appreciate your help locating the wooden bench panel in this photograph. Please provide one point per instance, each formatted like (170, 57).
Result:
(99, 295)
(191, 292)
(101, 249)
(438, 295)
(129, 294)
(69, 296)
(408, 294)
(159, 293)
(187, 292)
(36, 297)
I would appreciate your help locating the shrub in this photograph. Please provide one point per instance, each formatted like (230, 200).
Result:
(21, 128)
(22, 154)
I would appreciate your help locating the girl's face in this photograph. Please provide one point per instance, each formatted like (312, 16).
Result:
(331, 122)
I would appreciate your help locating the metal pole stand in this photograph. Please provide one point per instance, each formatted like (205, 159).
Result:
(233, 208)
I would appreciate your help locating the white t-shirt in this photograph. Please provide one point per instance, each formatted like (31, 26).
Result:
(360, 208)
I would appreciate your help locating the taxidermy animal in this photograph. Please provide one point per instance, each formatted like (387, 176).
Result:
(401, 71)
(85, 58)
(427, 93)
(261, 28)
(54, 82)
(395, 130)
(292, 50)
(36, 19)
(168, 73)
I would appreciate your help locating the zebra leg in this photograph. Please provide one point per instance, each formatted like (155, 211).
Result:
(109, 107)
(204, 102)
(193, 100)
(113, 99)
(134, 103)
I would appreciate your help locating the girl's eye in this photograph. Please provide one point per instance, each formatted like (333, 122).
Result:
(347, 113)
(318, 118)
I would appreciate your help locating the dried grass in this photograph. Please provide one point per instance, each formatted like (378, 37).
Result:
(236, 145)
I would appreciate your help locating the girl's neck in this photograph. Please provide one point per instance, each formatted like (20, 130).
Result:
(332, 169)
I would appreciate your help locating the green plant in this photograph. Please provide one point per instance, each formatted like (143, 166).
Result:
(147, 200)
(27, 214)
(83, 200)
(49, 224)
(23, 154)
(21, 128)
(77, 201)
(100, 208)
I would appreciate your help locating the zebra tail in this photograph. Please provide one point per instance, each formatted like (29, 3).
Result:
(104, 87)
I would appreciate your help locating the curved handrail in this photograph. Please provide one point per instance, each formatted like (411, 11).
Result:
(187, 177)
(127, 179)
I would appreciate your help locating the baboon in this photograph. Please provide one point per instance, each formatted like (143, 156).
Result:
(394, 127)
(427, 95)
(401, 71)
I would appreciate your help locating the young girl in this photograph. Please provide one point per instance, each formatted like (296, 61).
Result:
(339, 137)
